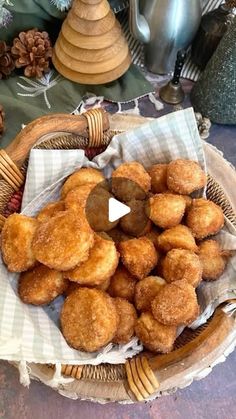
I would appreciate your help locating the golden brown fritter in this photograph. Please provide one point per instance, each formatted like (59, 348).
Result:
(187, 198)
(146, 290)
(81, 177)
(97, 210)
(176, 304)
(156, 337)
(101, 264)
(182, 264)
(50, 210)
(136, 223)
(153, 236)
(204, 218)
(76, 199)
(130, 181)
(158, 174)
(185, 176)
(139, 256)
(16, 242)
(104, 285)
(63, 241)
(213, 259)
(118, 235)
(166, 210)
(188, 201)
(89, 319)
(127, 317)
(72, 286)
(41, 285)
(179, 237)
(122, 284)
(159, 268)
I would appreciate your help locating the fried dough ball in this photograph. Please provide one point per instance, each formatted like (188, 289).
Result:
(179, 237)
(16, 242)
(97, 207)
(204, 218)
(76, 198)
(185, 176)
(127, 317)
(50, 210)
(176, 304)
(118, 235)
(159, 268)
(122, 284)
(213, 259)
(130, 181)
(139, 256)
(187, 198)
(63, 241)
(104, 285)
(81, 177)
(158, 174)
(100, 265)
(156, 337)
(166, 210)
(153, 236)
(136, 222)
(71, 286)
(188, 201)
(89, 319)
(41, 285)
(146, 290)
(182, 264)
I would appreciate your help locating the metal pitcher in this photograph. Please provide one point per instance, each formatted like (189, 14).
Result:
(165, 26)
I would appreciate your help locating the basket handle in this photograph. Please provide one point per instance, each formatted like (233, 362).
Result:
(91, 124)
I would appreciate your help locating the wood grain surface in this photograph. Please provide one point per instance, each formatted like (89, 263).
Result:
(91, 27)
(90, 55)
(99, 78)
(91, 42)
(92, 67)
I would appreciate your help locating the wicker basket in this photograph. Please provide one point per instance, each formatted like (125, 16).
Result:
(147, 375)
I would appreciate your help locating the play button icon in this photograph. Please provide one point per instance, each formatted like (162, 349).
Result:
(106, 211)
(117, 210)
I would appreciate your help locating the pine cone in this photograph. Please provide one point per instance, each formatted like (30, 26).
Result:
(6, 62)
(32, 50)
(2, 117)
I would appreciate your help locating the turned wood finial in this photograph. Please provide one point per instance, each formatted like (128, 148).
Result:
(91, 48)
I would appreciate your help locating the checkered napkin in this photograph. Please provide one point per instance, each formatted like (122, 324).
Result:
(33, 334)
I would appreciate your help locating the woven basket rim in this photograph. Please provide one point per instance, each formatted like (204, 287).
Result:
(116, 372)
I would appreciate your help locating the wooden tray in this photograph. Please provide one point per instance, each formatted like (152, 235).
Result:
(147, 375)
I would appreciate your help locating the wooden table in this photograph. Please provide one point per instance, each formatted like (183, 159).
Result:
(213, 397)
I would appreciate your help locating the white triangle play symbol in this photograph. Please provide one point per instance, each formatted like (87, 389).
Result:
(117, 210)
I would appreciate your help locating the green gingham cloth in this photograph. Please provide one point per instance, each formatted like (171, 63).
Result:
(32, 334)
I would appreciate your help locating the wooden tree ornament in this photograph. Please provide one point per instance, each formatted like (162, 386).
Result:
(91, 48)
